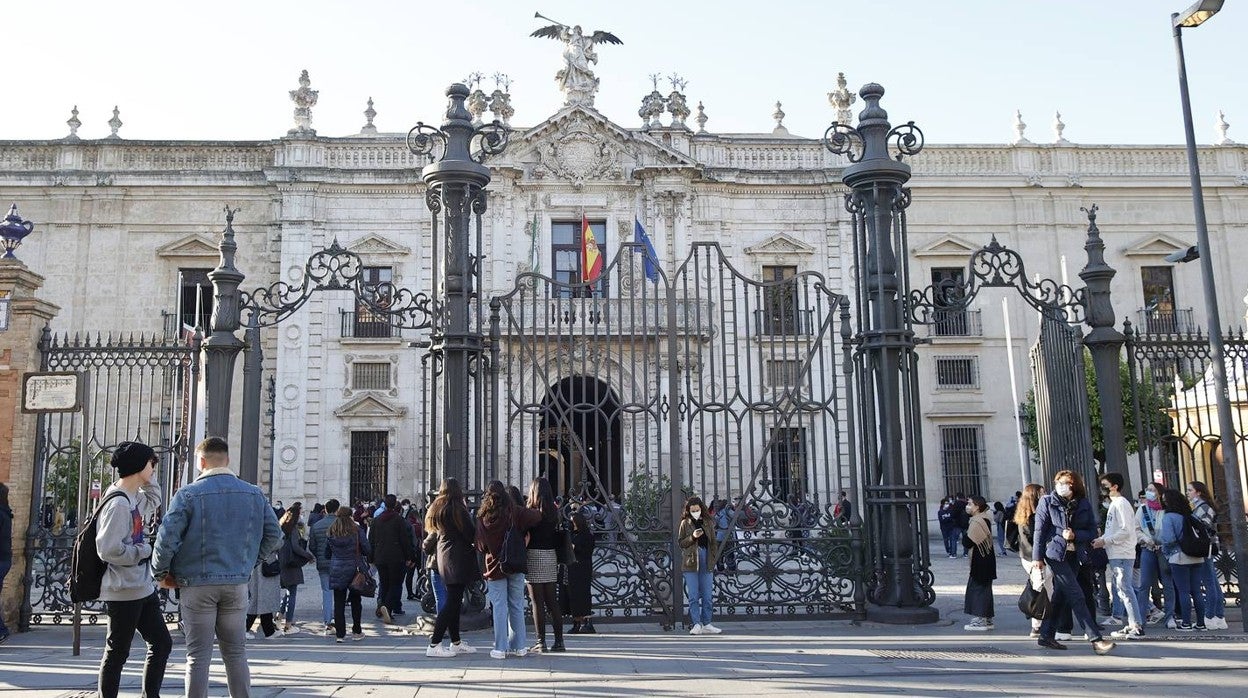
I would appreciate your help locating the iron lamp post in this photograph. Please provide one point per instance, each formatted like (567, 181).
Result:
(13, 230)
(1193, 17)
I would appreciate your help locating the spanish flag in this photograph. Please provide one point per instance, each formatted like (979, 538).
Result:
(591, 257)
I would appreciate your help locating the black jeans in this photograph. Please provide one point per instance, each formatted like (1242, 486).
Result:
(125, 617)
(448, 617)
(341, 598)
(390, 585)
(266, 623)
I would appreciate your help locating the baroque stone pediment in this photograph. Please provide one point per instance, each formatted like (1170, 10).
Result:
(1155, 245)
(190, 246)
(369, 405)
(780, 244)
(947, 246)
(378, 245)
(578, 144)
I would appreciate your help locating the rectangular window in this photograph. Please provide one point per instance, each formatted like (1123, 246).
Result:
(368, 375)
(962, 458)
(367, 322)
(788, 461)
(194, 300)
(370, 457)
(782, 373)
(1159, 303)
(957, 372)
(950, 289)
(565, 257)
(780, 304)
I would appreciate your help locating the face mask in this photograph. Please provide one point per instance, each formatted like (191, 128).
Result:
(1062, 489)
(1150, 496)
(695, 513)
(1105, 490)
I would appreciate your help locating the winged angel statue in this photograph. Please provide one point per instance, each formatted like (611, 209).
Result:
(576, 80)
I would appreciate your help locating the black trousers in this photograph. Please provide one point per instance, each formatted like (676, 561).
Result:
(124, 618)
(341, 598)
(448, 618)
(266, 623)
(390, 585)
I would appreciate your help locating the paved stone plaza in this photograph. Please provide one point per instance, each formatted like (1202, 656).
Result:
(632, 659)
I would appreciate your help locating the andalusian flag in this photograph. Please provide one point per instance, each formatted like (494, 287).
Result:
(591, 257)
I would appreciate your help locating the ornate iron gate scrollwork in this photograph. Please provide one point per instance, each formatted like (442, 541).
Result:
(705, 382)
(141, 388)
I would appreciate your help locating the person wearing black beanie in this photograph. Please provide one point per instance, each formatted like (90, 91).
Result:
(128, 591)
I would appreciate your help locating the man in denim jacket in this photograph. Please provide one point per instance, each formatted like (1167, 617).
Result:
(217, 530)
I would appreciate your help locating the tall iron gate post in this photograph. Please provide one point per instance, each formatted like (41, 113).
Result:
(221, 348)
(1105, 344)
(456, 191)
(249, 451)
(900, 590)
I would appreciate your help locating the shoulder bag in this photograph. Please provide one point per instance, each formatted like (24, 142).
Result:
(363, 582)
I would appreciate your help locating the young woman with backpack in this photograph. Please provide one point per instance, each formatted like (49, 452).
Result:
(501, 525)
(1205, 511)
(543, 566)
(1185, 569)
(448, 520)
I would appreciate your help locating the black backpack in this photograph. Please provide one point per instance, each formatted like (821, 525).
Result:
(86, 569)
(514, 556)
(1011, 535)
(1194, 540)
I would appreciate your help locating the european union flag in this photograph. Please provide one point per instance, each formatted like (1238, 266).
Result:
(652, 260)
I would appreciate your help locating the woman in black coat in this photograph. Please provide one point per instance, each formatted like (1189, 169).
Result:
(348, 551)
(580, 576)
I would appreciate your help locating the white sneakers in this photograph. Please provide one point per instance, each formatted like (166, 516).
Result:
(979, 625)
(696, 629)
(495, 654)
(1131, 632)
(1112, 621)
(462, 648)
(709, 629)
(1216, 623)
(439, 651)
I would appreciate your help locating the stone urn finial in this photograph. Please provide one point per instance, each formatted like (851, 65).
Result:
(304, 98)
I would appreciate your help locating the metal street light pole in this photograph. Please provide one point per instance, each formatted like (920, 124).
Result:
(1193, 17)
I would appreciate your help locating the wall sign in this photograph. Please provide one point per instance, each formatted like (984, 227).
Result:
(52, 391)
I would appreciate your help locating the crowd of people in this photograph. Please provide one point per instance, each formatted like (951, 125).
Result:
(1127, 568)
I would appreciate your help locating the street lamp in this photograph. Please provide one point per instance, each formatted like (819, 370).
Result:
(1194, 16)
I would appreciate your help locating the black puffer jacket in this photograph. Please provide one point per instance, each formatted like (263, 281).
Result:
(344, 559)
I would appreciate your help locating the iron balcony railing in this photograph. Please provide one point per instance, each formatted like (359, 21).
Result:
(366, 325)
(1179, 321)
(790, 322)
(956, 323)
(607, 316)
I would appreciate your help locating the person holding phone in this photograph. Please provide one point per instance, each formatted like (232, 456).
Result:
(696, 536)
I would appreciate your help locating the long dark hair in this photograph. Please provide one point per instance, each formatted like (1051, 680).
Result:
(1203, 490)
(448, 508)
(1174, 502)
(542, 499)
(496, 504)
(695, 501)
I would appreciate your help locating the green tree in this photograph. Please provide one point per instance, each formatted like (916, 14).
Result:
(1154, 400)
(61, 479)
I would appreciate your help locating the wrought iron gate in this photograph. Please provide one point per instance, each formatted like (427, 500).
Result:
(1173, 402)
(703, 382)
(140, 389)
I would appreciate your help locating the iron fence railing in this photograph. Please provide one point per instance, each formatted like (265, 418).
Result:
(1179, 321)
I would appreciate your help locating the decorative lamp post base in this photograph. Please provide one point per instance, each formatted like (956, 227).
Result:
(902, 615)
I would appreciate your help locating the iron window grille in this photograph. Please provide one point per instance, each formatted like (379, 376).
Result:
(369, 375)
(782, 373)
(962, 458)
(957, 372)
(788, 461)
(370, 460)
(365, 322)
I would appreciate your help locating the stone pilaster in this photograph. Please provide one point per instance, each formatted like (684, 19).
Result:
(19, 354)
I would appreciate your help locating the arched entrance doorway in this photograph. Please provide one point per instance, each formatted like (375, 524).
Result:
(579, 436)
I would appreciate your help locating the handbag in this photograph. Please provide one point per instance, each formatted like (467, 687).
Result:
(565, 553)
(363, 582)
(271, 568)
(1033, 603)
(1096, 558)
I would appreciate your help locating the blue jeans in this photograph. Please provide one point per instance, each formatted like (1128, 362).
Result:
(1068, 595)
(1187, 592)
(327, 598)
(952, 539)
(1118, 575)
(507, 603)
(1150, 573)
(439, 591)
(288, 603)
(1215, 600)
(698, 587)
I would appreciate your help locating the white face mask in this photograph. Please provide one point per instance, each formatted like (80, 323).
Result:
(1062, 489)
(695, 513)
(1150, 496)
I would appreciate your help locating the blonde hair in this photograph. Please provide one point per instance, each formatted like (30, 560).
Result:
(1026, 505)
(343, 524)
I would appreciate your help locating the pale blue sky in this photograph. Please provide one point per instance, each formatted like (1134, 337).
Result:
(222, 70)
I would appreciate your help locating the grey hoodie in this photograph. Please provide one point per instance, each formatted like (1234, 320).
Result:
(121, 539)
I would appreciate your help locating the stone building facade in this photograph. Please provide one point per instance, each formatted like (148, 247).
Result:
(127, 229)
